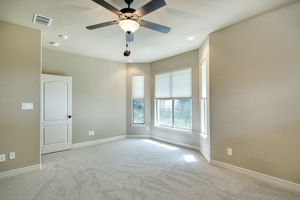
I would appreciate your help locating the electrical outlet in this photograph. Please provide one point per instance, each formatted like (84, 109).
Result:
(147, 128)
(229, 151)
(2, 157)
(12, 155)
(91, 132)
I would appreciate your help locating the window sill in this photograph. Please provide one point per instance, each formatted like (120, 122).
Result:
(138, 125)
(176, 130)
(204, 136)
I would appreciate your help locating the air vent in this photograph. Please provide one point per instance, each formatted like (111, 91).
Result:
(39, 19)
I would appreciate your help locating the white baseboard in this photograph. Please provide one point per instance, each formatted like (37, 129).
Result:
(205, 157)
(138, 136)
(284, 184)
(176, 143)
(18, 171)
(94, 142)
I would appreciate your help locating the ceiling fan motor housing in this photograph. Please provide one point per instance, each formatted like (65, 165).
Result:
(128, 2)
(129, 13)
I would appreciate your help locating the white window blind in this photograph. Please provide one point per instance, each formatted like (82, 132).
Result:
(174, 84)
(138, 87)
(163, 85)
(182, 83)
(204, 80)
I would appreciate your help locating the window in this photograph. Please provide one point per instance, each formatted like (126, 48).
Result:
(183, 113)
(138, 111)
(138, 101)
(173, 100)
(203, 99)
(203, 117)
(164, 112)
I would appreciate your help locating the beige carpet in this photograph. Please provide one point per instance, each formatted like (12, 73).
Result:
(134, 169)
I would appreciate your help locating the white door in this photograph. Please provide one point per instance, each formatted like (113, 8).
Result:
(56, 116)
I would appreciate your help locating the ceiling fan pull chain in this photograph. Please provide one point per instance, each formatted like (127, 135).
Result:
(127, 51)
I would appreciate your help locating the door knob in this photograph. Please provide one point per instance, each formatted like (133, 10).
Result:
(69, 116)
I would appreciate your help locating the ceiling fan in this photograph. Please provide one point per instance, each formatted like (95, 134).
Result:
(130, 18)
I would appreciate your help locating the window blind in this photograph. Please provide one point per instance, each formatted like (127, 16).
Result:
(138, 87)
(204, 80)
(182, 83)
(174, 84)
(163, 85)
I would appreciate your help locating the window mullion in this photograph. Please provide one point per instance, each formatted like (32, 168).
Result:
(156, 110)
(173, 114)
(132, 110)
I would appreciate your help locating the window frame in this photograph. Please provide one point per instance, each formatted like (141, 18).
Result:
(172, 128)
(132, 108)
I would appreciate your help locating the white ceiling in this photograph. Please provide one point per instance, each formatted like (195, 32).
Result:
(195, 18)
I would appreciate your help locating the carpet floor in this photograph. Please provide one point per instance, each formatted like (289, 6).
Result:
(135, 169)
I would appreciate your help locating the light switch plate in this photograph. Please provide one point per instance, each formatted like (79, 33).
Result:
(27, 106)
(2, 157)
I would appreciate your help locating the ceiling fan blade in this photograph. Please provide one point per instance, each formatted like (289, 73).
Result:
(129, 37)
(107, 6)
(155, 27)
(150, 7)
(92, 27)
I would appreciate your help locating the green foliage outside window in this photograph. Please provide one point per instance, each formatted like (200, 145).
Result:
(182, 109)
(138, 111)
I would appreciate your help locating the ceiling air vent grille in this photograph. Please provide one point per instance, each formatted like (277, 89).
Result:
(39, 19)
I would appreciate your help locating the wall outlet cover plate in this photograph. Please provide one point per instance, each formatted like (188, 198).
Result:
(2, 157)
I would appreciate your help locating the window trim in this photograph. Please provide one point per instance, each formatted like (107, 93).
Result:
(176, 129)
(203, 116)
(138, 125)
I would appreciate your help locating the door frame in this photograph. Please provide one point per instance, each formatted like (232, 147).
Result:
(55, 78)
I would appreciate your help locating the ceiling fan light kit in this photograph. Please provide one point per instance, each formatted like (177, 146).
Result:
(130, 19)
(129, 25)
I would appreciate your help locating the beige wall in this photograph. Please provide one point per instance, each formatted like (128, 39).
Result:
(144, 70)
(255, 93)
(20, 50)
(185, 60)
(99, 93)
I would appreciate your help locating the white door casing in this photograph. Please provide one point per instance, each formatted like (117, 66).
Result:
(56, 113)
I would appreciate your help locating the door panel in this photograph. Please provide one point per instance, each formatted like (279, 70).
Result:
(55, 100)
(56, 107)
(55, 134)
